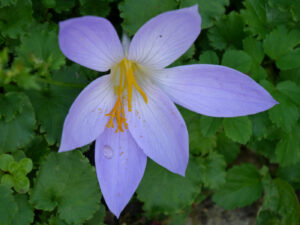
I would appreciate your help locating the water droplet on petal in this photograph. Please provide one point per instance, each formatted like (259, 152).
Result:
(108, 152)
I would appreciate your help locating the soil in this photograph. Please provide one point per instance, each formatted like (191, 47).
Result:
(207, 213)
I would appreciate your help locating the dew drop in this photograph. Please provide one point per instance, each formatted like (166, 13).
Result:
(108, 152)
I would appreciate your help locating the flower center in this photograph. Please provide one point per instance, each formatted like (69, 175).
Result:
(123, 80)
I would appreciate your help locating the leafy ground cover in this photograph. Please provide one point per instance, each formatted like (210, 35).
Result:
(251, 161)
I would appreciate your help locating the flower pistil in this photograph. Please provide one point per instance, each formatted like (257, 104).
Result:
(123, 79)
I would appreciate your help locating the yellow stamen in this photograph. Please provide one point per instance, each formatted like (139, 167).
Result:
(127, 81)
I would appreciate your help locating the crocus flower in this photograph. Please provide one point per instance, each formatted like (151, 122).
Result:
(131, 112)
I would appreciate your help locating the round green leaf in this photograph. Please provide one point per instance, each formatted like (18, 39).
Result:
(5, 160)
(163, 191)
(242, 187)
(67, 182)
(18, 131)
(8, 206)
(26, 165)
(8, 180)
(24, 215)
(21, 184)
(13, 167)
(98, 217)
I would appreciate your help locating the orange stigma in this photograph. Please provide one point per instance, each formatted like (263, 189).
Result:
(125, 81)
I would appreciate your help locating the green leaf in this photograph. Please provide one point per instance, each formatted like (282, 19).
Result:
(179, 218)
(4, 3)
(227, 148)
(291, 90)
(134, 14)
(39, 48)
(199, 144)
(257, 72)
(293, 75)
(17, 132)
(26, 165)
(8, 180)
(98, 217)
(8, 206)
(289, 61)
(209, 125)
(21, 183)
(285, 114)
(37, 150)
(228, 32)
(281, 200)
(10, 106)
(288, 148)
(212, 170)
(95, 7)
(237, 59)
(290, 174)
(24, 215)
(67, 182)
(260, 125)
(261, 18)
(166, 192)
(281, 41)
(13, 167)
(264, 147)
(53, 105)
(242, 187)
(19, 155)
(56, 221)
(288, 6)
(238, 129)
(279, 45)
(210, 11)
(267, 218)
(5, 160)
(209, 57)
(14, 19)
(59, 5)
(254, 49)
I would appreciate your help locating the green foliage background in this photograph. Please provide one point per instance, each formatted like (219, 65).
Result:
(234, 162)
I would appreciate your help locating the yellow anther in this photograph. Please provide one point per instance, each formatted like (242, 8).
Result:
(126, 69)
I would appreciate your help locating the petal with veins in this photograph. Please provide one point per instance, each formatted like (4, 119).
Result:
(86, 119)
(163, 39)
(120, 166)
(214, 90)
(91, 42)
(159, 129)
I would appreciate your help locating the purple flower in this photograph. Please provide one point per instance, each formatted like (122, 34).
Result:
(131, 112)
